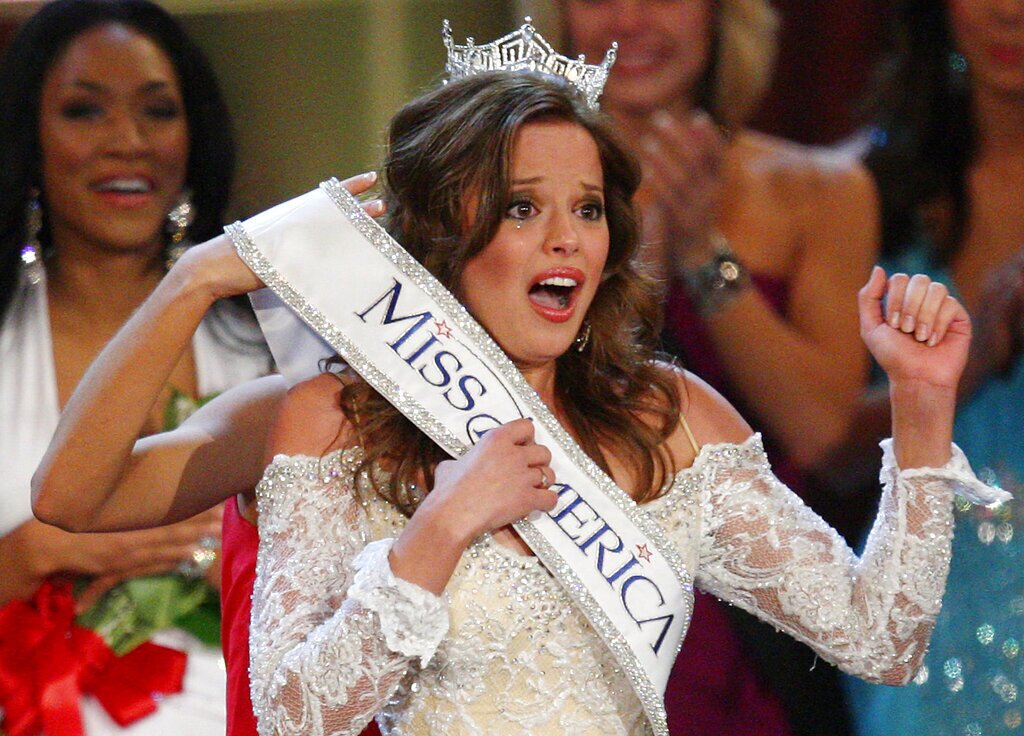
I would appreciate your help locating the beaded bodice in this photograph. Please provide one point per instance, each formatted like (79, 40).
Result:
(337, 639)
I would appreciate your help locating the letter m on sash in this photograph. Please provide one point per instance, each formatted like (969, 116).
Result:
(391, 298)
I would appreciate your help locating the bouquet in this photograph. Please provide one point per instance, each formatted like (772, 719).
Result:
(50, 657)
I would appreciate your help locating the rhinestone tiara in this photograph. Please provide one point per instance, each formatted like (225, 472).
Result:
(525, 49)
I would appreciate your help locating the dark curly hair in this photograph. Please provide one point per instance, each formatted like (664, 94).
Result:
(459, 139)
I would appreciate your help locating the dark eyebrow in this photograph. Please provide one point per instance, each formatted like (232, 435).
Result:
(156, 85)
(536, 179)
(86, 84)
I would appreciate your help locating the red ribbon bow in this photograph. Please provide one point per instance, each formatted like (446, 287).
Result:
(48, 662)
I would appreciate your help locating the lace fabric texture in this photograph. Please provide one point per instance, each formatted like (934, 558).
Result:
(505, 652)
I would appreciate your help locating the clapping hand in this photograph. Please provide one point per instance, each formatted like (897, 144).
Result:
(921, 336)
(682, 166)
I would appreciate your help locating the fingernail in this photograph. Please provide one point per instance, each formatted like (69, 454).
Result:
(908, 323)
(922, 331)
(894, 319)
(933, 340)
(370, 176)
(649, 144)
(662, 119)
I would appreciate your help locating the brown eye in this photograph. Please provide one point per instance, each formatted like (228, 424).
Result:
(520, 210)
(592, 211)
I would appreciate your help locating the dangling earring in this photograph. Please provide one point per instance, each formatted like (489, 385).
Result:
(32, 251)
(582, 339)
(178, 219)
(958, 70)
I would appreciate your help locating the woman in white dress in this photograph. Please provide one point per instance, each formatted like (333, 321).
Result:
(389, 581)
(108, 115)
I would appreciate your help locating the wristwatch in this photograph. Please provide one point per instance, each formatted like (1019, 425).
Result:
(718, 281)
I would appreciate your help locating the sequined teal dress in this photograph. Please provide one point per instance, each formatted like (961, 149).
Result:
(973, 680)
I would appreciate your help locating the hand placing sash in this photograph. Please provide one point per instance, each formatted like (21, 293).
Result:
(337, 282)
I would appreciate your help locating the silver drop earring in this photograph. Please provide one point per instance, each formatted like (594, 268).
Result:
(32, 251)
(179, 218)
(582, 339)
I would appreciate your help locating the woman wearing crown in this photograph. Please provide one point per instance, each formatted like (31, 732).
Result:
(390, 581)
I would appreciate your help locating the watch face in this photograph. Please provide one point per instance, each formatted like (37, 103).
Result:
(729, 270)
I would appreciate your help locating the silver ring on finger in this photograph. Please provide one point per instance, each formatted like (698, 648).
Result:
(544, 482)
(203, 557)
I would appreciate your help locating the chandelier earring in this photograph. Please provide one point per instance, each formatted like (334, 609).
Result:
(32, 251)
(179, 218)
(582, 339)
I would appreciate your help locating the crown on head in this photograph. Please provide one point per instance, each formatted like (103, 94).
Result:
(525, 49)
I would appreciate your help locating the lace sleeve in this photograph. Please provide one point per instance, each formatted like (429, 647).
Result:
(333, 631)
(762, 549)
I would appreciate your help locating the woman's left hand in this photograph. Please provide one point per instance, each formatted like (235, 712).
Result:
(922, 336)
(217, 268)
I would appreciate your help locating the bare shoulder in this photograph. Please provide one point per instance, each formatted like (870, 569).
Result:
(710, 417)
(795, 171)
(310, 420)
(236, 415)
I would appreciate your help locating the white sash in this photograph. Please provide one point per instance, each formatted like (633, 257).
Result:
(407, 336)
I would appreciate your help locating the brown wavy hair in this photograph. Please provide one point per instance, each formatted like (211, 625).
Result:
(451, 150)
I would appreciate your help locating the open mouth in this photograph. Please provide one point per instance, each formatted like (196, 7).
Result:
(555, 292)
(125, 185)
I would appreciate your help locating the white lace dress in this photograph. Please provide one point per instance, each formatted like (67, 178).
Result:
(337, 639)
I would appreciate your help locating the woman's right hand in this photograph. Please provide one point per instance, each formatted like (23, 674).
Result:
(35, 551)
(502, 479)
(219, 270)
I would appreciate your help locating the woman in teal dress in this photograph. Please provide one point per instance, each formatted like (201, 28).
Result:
(948, 158)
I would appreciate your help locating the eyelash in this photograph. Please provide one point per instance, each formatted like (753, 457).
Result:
(168, 111)
(88, 111)
(80, 110)
(513, 213)
(598, 209)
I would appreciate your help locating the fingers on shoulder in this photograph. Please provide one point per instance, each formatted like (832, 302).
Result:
(310, 419)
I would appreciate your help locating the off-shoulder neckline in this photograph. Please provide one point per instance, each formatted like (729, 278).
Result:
(751, 445)
(707, 453)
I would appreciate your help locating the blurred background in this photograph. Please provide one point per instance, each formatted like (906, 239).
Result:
(312, 83)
